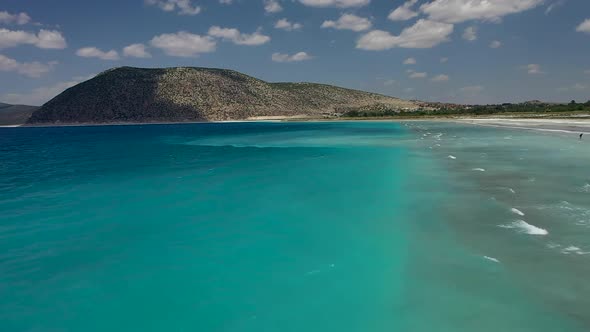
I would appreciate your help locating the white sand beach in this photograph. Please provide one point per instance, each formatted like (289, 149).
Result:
(573, 125)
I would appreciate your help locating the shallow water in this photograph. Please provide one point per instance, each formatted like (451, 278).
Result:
(293, 226)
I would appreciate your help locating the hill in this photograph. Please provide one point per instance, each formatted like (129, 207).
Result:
(15, 114)
(199, 94)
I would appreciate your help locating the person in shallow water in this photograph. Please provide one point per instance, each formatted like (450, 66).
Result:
(582, 134)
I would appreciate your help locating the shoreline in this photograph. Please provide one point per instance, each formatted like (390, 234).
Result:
(563, 125)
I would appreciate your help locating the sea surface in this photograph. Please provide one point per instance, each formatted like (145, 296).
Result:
(345, 226)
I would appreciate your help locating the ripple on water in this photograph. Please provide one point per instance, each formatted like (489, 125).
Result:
(578, 214)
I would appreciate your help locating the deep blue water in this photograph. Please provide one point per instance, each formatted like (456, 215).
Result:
(286, 227)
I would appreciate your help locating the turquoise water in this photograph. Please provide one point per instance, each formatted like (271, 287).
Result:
(293, 227)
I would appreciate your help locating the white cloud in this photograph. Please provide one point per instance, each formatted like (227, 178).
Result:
(455, 11)
(183, 44)
(403, 12)
(472, 89)
(286, 25)
(335, 3)
(410, 61)
(300, 56)
(31, 69)
(238, 38)
(349, 22)
(533, 69)
(41, 95)
(418, 75)
(182, 7)
(440, 78)
(444, 60)
(51, 39)
(20, 18)
(584, 26)
(470, 33)
(272, 6)
(496, 44)
(389, 82)
(47, 39)
(136, 51)
(423, 34)
(93, 52)
(554, 5)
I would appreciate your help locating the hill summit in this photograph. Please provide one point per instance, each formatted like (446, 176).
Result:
(184, 94)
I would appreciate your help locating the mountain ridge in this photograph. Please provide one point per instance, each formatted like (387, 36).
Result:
(12, 115)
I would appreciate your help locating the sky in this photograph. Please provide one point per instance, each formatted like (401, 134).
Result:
(462, 51)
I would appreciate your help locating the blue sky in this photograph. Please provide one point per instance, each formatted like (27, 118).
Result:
(466, 51)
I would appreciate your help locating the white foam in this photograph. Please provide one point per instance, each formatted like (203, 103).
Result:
(527, 228)
(517, 211)
(575, 250)
(512, 190)
(452, 157)
(572, 248)
(567, 250)
(491, 259)
(478, 169)
(586, 188)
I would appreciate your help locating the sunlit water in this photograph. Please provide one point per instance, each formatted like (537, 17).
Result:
(368, 226)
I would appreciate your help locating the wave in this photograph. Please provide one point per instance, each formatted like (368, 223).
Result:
(517, 211)
(452, 157)
(495, 260)
(527, 228)
(478, 169)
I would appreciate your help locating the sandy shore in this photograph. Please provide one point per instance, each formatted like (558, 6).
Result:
(565, 125)
(556, 125)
